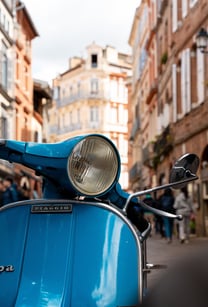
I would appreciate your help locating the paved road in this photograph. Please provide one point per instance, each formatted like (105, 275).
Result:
(159, 252)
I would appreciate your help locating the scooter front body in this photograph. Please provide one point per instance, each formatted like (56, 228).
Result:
(68, 253)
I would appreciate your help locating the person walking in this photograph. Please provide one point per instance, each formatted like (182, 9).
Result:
(154, 219)
(10, 193)
(2, 189)
(167, 202)
(184, 206)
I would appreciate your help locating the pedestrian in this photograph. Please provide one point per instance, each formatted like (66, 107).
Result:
(167, 202)
(184, 206)
(154, 219)
(2, 189)
(10, 193)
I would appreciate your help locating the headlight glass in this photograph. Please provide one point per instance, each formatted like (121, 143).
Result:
(93, 166)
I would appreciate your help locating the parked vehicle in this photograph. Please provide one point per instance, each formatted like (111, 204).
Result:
(84, 242)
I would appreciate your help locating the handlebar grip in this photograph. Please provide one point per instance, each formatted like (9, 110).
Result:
(179, 217)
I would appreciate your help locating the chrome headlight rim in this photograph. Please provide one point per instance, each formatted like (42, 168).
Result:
(82, 191)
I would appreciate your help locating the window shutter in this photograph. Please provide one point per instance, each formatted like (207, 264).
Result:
(174, 88)
(174, 15)
(200, 76)
(9, 77)
(188, 80)
(1, 67)
(184, 8)
(183, 83)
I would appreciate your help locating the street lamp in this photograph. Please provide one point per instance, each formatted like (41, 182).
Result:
(202, 40)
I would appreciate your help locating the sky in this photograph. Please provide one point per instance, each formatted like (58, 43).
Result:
(67, 27)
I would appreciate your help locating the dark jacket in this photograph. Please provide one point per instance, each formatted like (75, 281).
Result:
(10, 195)
(167, 201)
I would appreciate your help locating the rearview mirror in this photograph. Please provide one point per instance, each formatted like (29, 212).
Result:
(184, 168)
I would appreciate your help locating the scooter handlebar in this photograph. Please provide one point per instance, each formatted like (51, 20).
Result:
(48, 160)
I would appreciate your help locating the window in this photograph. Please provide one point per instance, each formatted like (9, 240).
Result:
(94, 86)
(194, 97)
(7, 27)
(4, 71)
(200, 76)
(184, 8)
(78, 115)
(122, 115)
(79, 89)
(113, 89)
(70, 118)
(26, 81)
(94, 114)
(63, 92)
(71, 91)
(36, 136)
(56, 92)
(4, 21)
(143, 59)
(192, 2)
(3, 127)
(94, 62)
(185, 81)
(114, 115)
(174, 15)
(121, 90)
(174, 86)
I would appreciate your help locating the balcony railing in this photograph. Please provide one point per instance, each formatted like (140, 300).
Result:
(135, 172)
(80, 96)
(135, 128)
(163, 146)
(148, 155)
(62, 130)
(152, 91)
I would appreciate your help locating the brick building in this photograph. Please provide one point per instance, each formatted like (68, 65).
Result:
(181, 94)
(21, 101)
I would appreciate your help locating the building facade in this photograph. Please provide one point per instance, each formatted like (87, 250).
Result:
(180, 95)
(92, 97)
(25, 32)
(144, 95)
(6, 77)
(21, 101)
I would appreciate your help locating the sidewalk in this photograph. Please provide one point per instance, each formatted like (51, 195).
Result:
(159, 252)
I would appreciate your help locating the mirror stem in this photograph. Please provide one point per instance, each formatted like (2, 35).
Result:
(165, 186)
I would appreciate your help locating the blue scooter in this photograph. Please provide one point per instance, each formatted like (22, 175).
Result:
(84, 243)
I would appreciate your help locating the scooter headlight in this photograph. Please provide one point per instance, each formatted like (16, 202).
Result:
(93, 165)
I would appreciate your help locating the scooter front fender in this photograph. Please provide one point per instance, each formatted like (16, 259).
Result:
(68, 253)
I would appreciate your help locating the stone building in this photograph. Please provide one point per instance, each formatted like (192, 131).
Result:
(91, 96)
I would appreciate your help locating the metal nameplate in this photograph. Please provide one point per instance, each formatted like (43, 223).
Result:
(52, 208)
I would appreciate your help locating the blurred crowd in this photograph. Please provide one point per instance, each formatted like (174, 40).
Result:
(10, 192)
(180, 204)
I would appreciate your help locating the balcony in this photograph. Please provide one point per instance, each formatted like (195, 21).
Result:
(152, 91)
(67, 129)
(148, 155)
(163, 146)
(135, 172)
(135, 128)
(61, 102)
